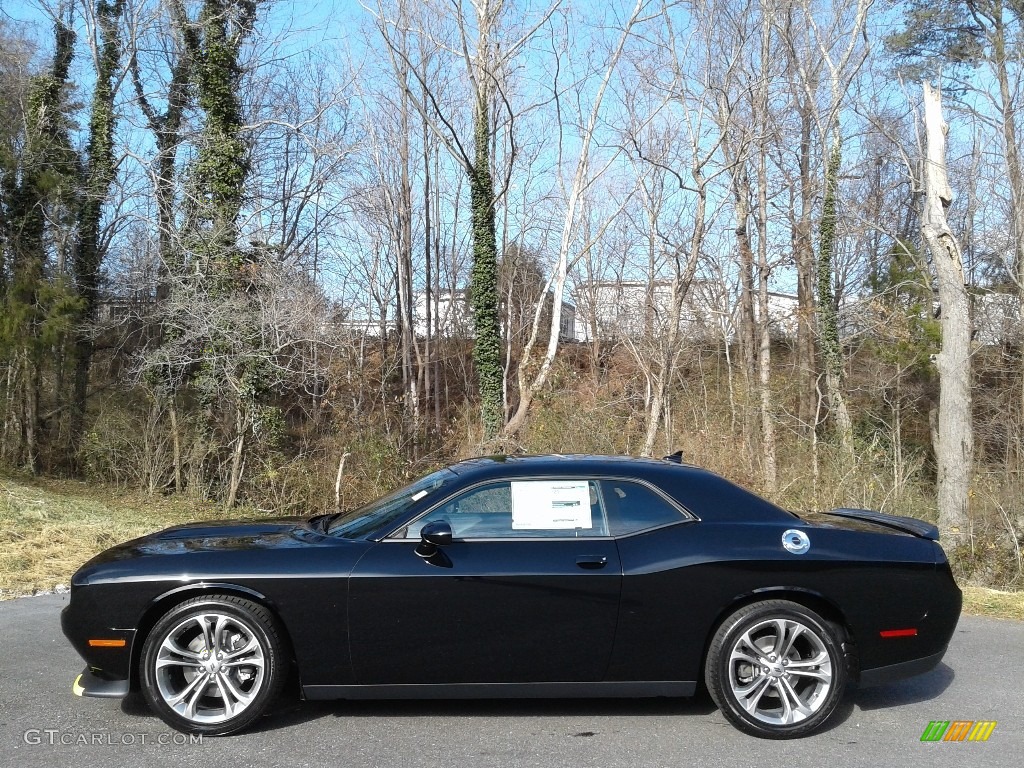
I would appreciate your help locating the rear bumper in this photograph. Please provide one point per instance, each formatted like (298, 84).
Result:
(905, 669)
(88, 684)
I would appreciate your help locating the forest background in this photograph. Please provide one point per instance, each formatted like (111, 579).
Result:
(291, 255)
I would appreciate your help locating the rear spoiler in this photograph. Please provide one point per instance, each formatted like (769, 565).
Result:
(912, 525)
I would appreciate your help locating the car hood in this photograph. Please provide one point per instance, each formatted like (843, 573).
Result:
(221, 535)
(274, 526)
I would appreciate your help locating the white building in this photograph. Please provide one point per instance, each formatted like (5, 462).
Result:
(635, 308)
(617, 309)
(452, 316)
(996, 318)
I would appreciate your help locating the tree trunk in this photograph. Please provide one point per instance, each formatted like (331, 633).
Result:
(828, 311)
(764, 360)
(238, 455)
(427, 366)
(954, 450)
(803, 251)
(1014, 172)
(435, 327)
(487, 340)
(172, 410)
(671, 347)
(654, 413)
(89, 254)
(31, 418)
(764, 368)
(747, 324)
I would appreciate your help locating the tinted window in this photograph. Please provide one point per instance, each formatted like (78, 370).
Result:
(634, 507)
(521, 509)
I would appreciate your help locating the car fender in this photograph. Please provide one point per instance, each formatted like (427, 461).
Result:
(163, 602)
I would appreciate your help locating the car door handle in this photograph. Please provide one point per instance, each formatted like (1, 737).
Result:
(591, 562)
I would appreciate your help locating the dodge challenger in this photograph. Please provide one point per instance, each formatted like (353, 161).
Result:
(526, 576)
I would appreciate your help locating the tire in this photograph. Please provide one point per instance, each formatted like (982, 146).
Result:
(776, 669)
(213, 664)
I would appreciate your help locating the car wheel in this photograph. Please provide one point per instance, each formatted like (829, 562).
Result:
(776, 669)
(212, 664)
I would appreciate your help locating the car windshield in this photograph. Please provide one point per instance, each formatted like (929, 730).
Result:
(383, 511)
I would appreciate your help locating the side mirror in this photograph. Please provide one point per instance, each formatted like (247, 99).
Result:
(434, 535)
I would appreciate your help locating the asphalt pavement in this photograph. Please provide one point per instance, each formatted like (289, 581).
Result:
(43, 724)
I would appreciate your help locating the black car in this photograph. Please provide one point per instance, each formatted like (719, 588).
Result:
(546, 576)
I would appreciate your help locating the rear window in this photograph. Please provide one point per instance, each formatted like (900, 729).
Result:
(634, 507)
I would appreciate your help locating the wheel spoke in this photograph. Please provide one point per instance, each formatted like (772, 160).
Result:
(198, 684)
(249, 647)
(193, 699)
(738, 655)
(250, 661)
(790, 631)
(750, 695)
(170, 662)
(173, 648)
(794, 708)
(816, 674)
(203, 620)
(218, 633)
(819, 659)
(747, 641)
(229, 704)
(227, 684)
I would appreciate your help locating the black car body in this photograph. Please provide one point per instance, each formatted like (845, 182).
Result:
(431, 593)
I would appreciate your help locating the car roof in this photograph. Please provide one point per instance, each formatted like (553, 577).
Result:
(555, 462)
(558, 463)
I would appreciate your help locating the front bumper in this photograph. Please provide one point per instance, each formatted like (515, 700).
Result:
(88, 684)
(106, 649)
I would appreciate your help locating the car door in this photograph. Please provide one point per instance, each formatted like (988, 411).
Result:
(528, 591)
(667, 579)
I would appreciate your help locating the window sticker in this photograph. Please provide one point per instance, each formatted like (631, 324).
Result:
(550, 505)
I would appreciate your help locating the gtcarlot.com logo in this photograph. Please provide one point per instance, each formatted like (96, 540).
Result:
(35, 737)
(958, 730)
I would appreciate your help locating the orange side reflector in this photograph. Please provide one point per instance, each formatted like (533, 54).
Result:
(101, 643)
(911, 632)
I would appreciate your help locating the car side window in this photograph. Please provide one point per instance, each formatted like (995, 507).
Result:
(633, 507)
(521, 509)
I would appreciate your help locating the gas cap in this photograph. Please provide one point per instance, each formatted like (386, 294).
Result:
(796, 541)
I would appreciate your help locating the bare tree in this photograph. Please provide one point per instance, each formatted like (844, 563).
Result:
(485, 40)
(825, 51)
(674, 147)
(954, 436)
(104, 37)
(532, 374)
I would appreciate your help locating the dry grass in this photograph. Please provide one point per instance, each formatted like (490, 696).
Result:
(981, 601)
(48, 528)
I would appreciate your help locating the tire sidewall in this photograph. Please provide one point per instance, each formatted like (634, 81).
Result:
(718, 672)
(255, 618)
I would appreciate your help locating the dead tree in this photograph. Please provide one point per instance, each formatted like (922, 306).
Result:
(954, 438)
